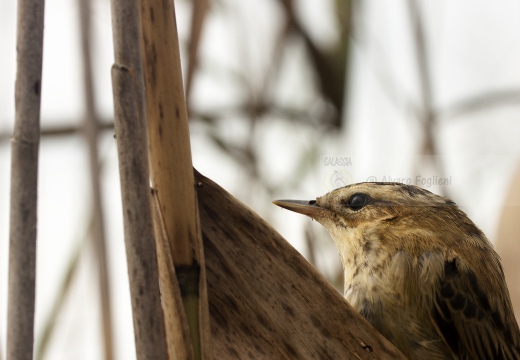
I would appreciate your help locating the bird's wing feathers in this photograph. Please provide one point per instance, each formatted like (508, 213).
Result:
(472, 325)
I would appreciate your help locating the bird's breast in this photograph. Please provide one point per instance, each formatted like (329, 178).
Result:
(365, 277)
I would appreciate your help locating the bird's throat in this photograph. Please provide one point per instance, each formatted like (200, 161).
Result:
(364, 258)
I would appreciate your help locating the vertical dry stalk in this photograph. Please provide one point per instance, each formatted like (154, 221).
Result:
(128, 91)
(24, 181)
(91, 132)
(171, 170)
(169, 142)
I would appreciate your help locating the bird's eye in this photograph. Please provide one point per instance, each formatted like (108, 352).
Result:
(357, 201)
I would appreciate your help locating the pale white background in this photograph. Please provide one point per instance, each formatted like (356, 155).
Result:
(474, 48)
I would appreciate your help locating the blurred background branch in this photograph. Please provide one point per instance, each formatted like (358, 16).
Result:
(91, 134)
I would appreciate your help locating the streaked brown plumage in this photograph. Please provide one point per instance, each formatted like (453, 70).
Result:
(419, 270)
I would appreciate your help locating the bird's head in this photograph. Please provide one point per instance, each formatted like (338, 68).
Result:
(354, 205)
(393, 210)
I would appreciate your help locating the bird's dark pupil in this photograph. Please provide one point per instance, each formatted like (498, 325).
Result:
(357, 201)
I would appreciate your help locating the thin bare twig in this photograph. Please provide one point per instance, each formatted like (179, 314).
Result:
(128, 90)
(91, 133)
(24, 181)
(64, 290)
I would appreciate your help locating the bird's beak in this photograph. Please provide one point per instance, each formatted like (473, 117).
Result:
(305, 207)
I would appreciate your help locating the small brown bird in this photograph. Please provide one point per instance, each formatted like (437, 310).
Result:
(419, 270)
